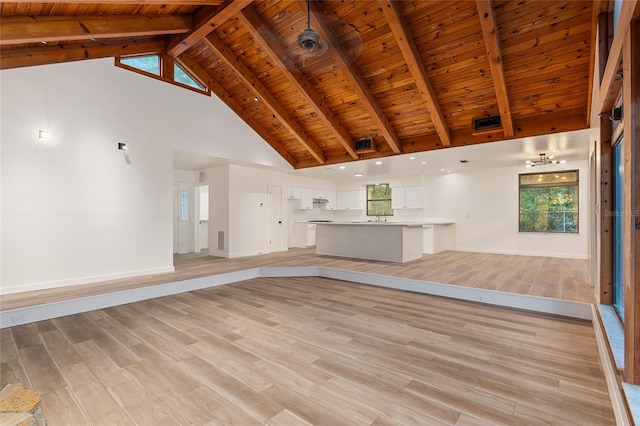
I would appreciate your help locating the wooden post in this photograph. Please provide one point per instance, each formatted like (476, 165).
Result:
(631, 117)
(166, 65)
(606, 207)
(604, 41)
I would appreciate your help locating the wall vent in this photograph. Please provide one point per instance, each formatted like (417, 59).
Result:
(220, 240)
(202, 177)
(487, 123)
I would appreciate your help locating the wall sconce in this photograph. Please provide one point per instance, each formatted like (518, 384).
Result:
(122, 146)
(44, 134)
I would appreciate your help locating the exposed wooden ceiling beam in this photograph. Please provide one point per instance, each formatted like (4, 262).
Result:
(230, 101)
(26, 57)
(599, 7)
(411, 56)
(492, 45)
(172, 2)
(353, 76)
(36, 29)
(611, 83)
(564, 121)
(273, 48)
(205, 25)
(561, 122)
(264, 95)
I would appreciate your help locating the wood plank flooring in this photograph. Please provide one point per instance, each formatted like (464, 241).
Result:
(300, 351)
(533, 275)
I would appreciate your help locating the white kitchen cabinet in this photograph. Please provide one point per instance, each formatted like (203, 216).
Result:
(355, 200)
(341, 200)
(294, 193)
(350, 200)
(306, 199)
(406, 197)
(331, 201)
(320, 194)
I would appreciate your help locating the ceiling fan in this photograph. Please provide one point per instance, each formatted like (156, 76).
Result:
(313, 46)
(308, 39)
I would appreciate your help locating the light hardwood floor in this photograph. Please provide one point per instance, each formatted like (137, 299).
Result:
(299, 351)
(538, 276)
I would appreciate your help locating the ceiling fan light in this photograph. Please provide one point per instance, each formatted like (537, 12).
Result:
(309, 40)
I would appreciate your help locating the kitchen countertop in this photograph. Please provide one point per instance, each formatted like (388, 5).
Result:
(421, 223)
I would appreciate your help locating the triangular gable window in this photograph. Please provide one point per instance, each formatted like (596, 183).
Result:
(152, 66)
(150, 63)
(181, 76)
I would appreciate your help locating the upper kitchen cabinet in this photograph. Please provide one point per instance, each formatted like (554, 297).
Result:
(331, 200)
(406, 197)
(319, 194)
(306, 199)
(350, 200)
(294, 193)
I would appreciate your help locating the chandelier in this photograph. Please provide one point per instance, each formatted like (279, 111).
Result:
(543, 160)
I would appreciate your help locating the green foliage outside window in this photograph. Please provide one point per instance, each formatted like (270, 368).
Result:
(549, 202)
(379, 200)
(149, 63)
(181, 76)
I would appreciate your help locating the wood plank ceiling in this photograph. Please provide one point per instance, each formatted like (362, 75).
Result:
(412, 75)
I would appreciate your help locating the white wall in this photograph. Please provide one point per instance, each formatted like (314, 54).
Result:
(73, 209)
(484, 206)
(76, 210)
(218, 210)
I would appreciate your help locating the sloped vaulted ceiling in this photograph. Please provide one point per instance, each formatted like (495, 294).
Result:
(411, 75)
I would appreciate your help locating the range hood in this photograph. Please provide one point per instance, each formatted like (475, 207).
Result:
(320, 200)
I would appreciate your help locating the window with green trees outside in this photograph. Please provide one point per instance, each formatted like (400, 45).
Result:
(379, 200)
(549, 202)
(147, 63)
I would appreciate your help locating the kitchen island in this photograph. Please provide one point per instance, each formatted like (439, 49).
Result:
(386, 241)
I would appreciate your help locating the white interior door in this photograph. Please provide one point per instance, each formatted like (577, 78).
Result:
(184, 219)
(203, 220)
(277, 241)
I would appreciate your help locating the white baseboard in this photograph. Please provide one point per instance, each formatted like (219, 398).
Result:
(248, 253)
(11, 289)
(498, 298)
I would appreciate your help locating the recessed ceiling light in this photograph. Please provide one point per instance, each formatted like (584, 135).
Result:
(378, 162)
(412, 158)
(442, 170)
(44, 134)
(424, 162)
(359, 174)
(342, 167)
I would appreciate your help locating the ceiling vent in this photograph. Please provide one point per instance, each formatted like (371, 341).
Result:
(365, 145)
(487, 123)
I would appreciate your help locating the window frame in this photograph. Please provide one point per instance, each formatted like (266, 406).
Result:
(575, 184)
(206, 91)
(390, 208)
